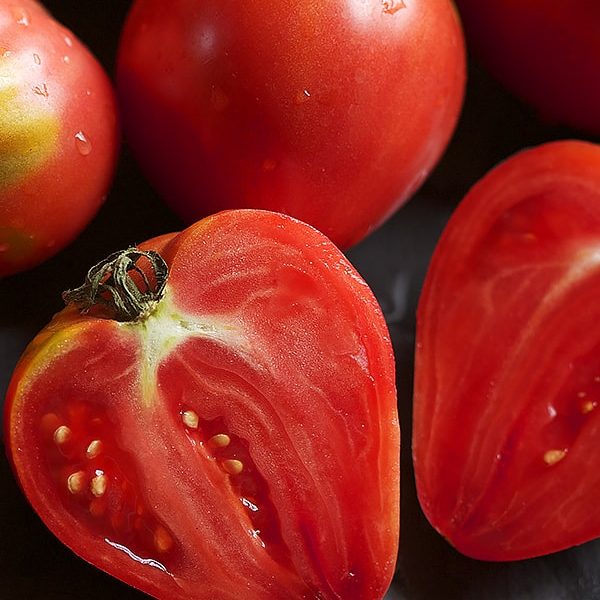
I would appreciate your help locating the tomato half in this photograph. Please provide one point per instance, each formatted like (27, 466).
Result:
(507, 381)
(545, 51)
(239, 438)
(333, 112)
(58, 135)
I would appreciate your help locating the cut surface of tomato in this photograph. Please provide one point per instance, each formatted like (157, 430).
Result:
(507, 376)
(239, 438)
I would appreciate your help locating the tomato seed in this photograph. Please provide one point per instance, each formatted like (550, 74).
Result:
(190, 419)
(62, 435)
(162, 539)
(551, 457)
(98, 485)
(94, 449)
(221, 440)
(233, 466)
(76, 482)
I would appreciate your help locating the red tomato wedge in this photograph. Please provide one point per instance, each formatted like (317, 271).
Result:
(507, 381)
(238, 439)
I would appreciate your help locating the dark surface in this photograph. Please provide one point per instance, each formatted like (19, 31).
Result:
(33, 565)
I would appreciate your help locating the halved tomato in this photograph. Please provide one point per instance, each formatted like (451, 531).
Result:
(507, 382)
(221, 422)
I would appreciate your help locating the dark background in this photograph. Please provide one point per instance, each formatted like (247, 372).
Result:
(34, 565)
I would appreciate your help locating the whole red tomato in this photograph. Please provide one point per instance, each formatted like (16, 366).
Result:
(333, 112)
(58, 135)
(507, 382)
(221, 423)
(545, 51)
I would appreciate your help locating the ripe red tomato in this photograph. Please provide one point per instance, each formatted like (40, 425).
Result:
(58, 135)
(507, 381)
(333, 112)
(545, 51)
(238, 439)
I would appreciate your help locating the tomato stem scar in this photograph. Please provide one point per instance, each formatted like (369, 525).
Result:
(119, 284)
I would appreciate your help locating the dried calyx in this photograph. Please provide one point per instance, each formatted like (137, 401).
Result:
(127, 285)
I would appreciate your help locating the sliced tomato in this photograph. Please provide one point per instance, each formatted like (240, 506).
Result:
(237, 439)
(507, 380)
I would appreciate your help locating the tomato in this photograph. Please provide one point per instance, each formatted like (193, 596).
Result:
(545, 51)
(333, 112)
(238, 438)
(507, 379)
(58, 135)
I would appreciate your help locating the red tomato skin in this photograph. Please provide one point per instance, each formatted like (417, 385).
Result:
(547, 52)
(331, 112)
(261, 274)
(507, 376)
(58, 136)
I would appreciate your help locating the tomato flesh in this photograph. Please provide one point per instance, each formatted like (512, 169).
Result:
(507, 374)
(242, 437)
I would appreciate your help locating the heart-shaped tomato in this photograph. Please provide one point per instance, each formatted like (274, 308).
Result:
(238, 438)
(507, 386)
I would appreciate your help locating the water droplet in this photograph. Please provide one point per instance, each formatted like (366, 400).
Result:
(302, 97)
(66, 59)
(392, 6)
(21, 16)
(83, 144)
(36, 59)
(68, 41)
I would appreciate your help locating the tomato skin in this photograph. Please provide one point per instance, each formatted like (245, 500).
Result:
(331, 112)
(507, 376)
(304, 393)
(58, 136)
(547, 52)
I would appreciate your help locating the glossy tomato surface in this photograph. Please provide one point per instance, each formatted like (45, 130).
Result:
(240, 439)
(58, 135)
(545, 51)
(507, 381)
(333, 112)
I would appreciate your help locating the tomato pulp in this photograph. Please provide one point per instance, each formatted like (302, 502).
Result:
(58, 135)
(238, 438)
(507, 380)
(332, 112)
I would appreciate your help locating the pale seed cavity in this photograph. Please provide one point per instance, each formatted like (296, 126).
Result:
(220, 440)
(62, 435)
(76, 482)
(551, 457)
(94, 449)
(233, 466)
(190, 419)
(98, 484)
